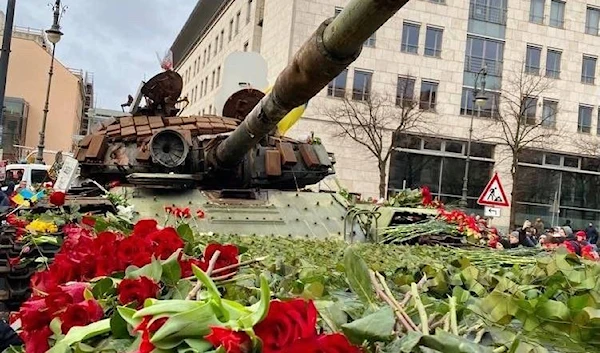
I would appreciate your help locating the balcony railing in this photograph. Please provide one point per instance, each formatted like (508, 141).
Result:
(475, 64)
(487, 13)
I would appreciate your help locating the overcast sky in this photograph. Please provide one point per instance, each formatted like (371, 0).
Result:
(117, 40)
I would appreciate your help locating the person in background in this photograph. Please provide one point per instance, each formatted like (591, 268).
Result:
(568, 228)
(539, 227)
(591, 233)
(8, 337)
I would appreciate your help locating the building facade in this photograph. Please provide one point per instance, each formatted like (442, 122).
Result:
(71, 96)
(539, 54)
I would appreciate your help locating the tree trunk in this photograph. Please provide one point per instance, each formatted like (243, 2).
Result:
(382, 179)
(513, 194)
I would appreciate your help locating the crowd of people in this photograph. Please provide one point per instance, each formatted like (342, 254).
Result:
(583, 242)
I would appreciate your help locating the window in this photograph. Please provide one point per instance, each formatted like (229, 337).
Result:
(196, 93)
(468, 106)
(370, 42)
(205, 85)
(204, 59)
(584, 122)
(230, 29)
(208, 54)
(598, 126)
(529, 110)
(532, 60)
(405, 92)
(193, 95)
(536, 12)
(337, 87)
(557, 13)
(588, 70)
(212, 81)
(216, 45)
(549, 112)
(362, 85)
(39, 176)
(246, 46)
(218, 75)
(484, 52)
(222, 39)
(553, 63)
(592, 21)
(201, 88)
(493, 11)
(410, 38)
(433, 41)
(195, 67)
(249, 11)
(428, 95)
(237, 22)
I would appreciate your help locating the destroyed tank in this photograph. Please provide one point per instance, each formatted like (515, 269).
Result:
(236, 168)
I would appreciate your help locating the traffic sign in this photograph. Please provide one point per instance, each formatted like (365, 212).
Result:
(491, 212)
(493, 194)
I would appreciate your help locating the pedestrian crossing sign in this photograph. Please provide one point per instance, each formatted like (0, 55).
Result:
(493, 195)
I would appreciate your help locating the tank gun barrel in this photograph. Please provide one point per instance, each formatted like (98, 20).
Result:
(335, 45)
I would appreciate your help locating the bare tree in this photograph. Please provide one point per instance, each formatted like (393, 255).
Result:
(518, 121)
(369, 119)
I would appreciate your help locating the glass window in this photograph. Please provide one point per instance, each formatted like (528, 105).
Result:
(410, 38)
(532, 61)
(552, 159)
(588, 70)
(584, 122)
(530, 110)
(549, 113)
(536, 12)
(493, 11)
(14, 175)
(580, 190)
(432, 144)
(531, 157)
(216, 45)
(230, 29)
(408, 141)
(454, 147)
(598, 127)
(553, 63)
(405, 92)
(468, 106)
(218, 75)
(484, 52)
(371, 41)
(415, 170)
(237, 22)
(362, 85)
(428, 95)
(528, 184)
(482, 150)
(557, 13)
(591, 164)
(433, 41)
(337, 87)
(209, 51)
(571, 162)
(39, 176)
(592, 21)
(246, 46)
(222, 39)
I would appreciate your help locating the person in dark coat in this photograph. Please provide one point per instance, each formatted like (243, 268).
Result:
(8, 337)
(591, 234)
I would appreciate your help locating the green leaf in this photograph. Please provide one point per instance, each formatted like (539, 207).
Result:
(78, 334)
(104, 288)
(45, 239)
(376, 327)
(553, 309)
(171, 270)
(358, 277)
(153, 271)
(260, 309)
(101, 225)
(127, 314)
(185, 233)
(593, 314)
(118, 326)
(208, 283)
(189, 324)
(406, 344)
(181, 290)
(332, 314)
(161, 307)
(198, 344)
(448, 343)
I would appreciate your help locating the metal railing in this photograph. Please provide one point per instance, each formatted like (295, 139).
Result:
(475, 64)
(487, 13)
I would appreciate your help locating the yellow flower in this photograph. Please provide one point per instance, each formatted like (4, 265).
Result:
(39, 226)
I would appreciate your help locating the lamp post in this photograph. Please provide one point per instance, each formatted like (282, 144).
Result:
(54, 35)
(480, 100)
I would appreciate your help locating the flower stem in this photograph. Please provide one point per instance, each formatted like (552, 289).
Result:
(195, 292)
(420, 308)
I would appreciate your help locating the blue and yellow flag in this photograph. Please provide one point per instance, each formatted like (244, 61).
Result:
(291, 119)
(40, 195)
(23, 197)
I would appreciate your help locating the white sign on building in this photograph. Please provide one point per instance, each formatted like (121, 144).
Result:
(66, 175)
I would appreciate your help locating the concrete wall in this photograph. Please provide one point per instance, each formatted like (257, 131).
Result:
(28, 78)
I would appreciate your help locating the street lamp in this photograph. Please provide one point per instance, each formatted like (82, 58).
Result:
(54, 35)
(480, 100)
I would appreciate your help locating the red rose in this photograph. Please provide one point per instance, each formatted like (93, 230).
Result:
(89, 221)
(81, 314)
(144, 227)
(36, 341)
(14, 261)
(147, 330)
(133, 250)
(34, 314)
(186, 265)
(57, 198)
(287, 322)
(231, 341)
(426, 195)
(137, 290)
(165, 242)
(228, 256)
